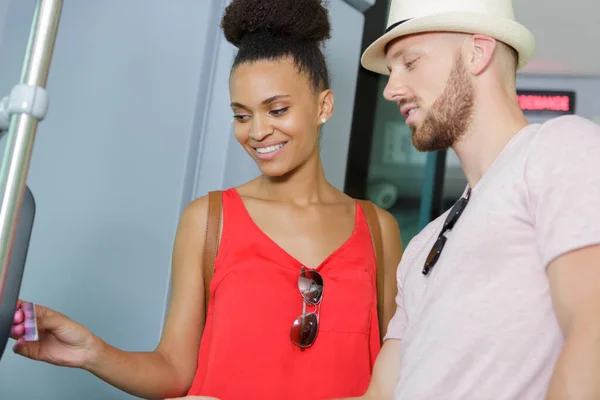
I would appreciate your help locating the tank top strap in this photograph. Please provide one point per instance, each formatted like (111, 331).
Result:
(363, 235)
(236, 221)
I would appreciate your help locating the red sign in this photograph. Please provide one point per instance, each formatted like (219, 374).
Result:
(547, 102)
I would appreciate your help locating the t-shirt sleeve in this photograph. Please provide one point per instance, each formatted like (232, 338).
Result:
(562, 172)
(398, 322)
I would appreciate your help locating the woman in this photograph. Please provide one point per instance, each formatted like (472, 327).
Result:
(287, 223)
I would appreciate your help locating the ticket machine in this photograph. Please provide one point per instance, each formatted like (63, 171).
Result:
(20, 113)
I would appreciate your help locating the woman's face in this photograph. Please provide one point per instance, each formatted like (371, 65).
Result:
(277, 114)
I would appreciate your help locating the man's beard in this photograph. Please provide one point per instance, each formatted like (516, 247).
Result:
(449, 118)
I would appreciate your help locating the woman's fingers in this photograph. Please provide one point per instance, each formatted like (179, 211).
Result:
(17, 331)
(19, 317)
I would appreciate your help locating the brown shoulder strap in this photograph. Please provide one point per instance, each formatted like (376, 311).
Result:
(374, 227)
(211, 242)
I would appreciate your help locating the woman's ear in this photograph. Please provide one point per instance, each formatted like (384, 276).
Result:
(326, 101)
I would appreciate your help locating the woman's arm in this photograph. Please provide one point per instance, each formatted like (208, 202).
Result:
(169, 370)
(392, 252)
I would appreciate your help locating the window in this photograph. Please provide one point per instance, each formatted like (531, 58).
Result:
(383, 166)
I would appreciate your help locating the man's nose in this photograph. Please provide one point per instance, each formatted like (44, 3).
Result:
(395, 89)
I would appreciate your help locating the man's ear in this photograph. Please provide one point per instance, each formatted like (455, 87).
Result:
(481, 49)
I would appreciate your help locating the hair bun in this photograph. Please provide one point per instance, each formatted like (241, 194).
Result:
(294, 20)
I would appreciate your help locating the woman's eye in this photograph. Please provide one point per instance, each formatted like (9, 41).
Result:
(240, 118)
(279, 112)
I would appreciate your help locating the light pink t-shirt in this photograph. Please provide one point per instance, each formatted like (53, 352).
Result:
(481, 326)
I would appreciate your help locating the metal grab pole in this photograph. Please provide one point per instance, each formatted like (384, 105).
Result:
(23, 126)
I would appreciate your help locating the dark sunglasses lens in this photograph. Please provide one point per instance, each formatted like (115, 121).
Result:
(310, 284)
(434, 254)
(304, 330)
(455, 213)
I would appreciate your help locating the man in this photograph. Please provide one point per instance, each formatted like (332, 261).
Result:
(499, 298)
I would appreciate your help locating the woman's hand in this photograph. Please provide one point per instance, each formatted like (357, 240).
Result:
(62, 341)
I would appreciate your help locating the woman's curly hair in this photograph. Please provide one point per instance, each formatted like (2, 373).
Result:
(274, 29)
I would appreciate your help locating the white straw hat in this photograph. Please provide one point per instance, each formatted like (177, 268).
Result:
(494, 18)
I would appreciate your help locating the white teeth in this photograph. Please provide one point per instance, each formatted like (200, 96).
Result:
(412, 110)
(264, 150)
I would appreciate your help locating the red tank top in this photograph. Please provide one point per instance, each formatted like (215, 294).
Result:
(246, 352)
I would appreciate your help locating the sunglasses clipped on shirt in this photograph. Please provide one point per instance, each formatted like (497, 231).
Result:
(305, 328)
(438, 246)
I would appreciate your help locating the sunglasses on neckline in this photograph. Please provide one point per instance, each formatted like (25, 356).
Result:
(451, 219)
(305, 328)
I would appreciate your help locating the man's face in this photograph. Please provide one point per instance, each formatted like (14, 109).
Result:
(432, 87)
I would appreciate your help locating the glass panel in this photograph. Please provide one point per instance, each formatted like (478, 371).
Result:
(397, 177)
(396, 169)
